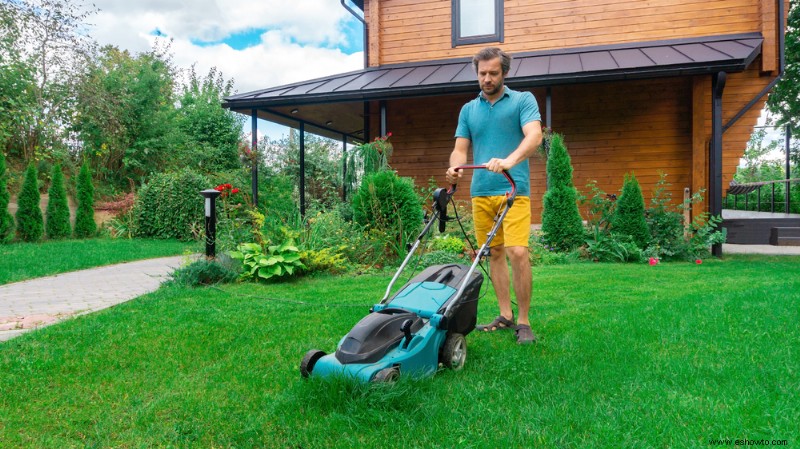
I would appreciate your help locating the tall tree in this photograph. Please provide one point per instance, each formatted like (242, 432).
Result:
(628, 218)
(6, 219)
(30, 223)
(212, 133)
(57, 223)
(562, 226)
(44, 48)
(85, 225)
(126, 114)
(784, 100)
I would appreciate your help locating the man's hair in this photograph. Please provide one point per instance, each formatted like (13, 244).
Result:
(490, 53)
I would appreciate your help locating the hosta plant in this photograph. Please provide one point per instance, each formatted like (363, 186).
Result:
(277, 261)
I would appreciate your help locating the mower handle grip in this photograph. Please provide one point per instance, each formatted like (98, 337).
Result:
(505, 173)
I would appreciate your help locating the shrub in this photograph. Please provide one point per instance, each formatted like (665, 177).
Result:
(330, 260)
(203, 272)
(562, 227)
(30, 224)
(540, 253)
(6, 219)
(611, 247)
(366, 159)
(170, 206)
(448, 243)
(441, 257)
(57, 225)
(628, 218)
(85, 225)
(387, 203)
(671, 240)
(274, 261)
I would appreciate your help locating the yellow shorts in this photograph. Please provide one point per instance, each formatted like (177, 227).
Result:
(516, 228)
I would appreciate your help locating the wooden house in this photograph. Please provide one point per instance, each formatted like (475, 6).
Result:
(646, 86)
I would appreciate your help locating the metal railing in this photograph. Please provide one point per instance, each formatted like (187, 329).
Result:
(747, 190)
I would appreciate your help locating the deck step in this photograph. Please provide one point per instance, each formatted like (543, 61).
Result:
(785, 236)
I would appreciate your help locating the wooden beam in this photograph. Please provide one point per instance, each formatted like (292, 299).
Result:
(373, 17)
(769, 61)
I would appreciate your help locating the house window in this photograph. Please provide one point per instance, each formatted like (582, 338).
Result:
(477, 21)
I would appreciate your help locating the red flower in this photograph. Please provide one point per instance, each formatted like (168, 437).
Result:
(653, 261)
(235, 191)
(698, 261)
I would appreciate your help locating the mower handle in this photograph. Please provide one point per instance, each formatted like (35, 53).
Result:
(505, 173)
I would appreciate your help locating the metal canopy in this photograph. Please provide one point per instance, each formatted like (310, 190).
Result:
(332, 106)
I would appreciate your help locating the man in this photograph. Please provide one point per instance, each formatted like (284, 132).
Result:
(503, 129)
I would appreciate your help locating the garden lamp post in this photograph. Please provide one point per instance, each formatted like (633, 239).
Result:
(210, 196)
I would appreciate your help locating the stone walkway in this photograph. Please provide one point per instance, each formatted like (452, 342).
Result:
(38, 302)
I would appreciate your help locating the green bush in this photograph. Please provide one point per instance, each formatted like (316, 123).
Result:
(562, 227)
(441, 257)
(203, 272)
(30, 223)
(270, 262)
(540, 253)
(6, 219)
(449, 243)
(57, 225)
(628, 218)
(389, 205)
(85, 225)
(329, 260)
(611, 247)
(170, 206)
(672, 239)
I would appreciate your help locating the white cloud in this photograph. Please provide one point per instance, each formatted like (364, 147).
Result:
(302, 40)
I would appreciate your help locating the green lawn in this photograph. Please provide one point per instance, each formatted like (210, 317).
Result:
(21, 261)
(632, 356)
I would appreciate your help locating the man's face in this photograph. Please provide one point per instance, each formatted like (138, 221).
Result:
(490, 76)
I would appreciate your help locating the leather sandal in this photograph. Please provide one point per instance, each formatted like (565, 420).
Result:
(524, 334)
(499, 323)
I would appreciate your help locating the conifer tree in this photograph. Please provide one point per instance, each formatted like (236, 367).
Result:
(84, 217)
(30, 223)
(57, 224)
(628, 218)
(6, 219)
(562, 226)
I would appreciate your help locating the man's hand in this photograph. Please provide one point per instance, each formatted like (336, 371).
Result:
(452, 175)
(497, 165)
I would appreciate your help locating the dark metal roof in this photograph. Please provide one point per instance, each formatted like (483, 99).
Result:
(332, 106)
(730, 53)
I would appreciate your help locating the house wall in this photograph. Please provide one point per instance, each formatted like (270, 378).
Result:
(419, 30)
(640, 126)
(643, 126)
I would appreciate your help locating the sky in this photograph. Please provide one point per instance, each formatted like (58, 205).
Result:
(258, 44)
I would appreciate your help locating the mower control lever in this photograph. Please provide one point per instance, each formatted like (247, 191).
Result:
(505, 173)
(406, 328)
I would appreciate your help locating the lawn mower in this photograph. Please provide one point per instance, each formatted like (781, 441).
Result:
(421, 326)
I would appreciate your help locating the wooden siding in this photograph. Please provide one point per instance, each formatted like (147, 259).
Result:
(418, 30)
(610, 129)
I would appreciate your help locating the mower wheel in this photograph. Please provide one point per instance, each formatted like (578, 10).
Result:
(310, 359)
(454, 352)
(387, 375)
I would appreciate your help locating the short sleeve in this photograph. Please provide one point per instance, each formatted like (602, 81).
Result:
(462, 130)
(528, 109)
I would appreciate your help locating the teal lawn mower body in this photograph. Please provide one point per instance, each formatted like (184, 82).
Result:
(420, 327)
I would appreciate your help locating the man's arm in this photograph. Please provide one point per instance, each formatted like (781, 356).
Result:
(457, 158)
(533, 138)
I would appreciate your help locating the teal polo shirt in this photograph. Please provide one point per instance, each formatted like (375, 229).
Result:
(495, 130)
